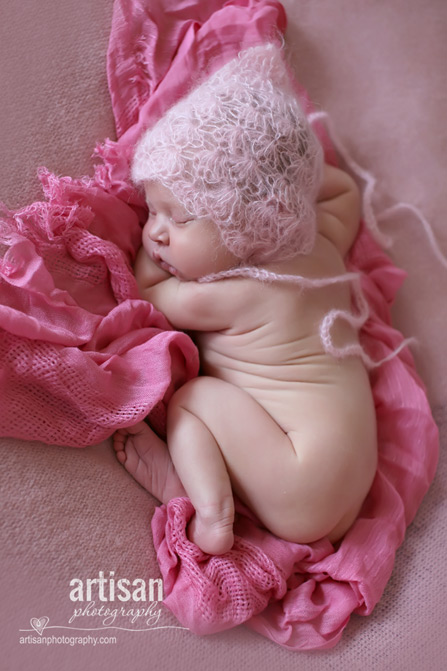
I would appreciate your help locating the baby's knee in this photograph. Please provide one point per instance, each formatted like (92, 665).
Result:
(190, 394)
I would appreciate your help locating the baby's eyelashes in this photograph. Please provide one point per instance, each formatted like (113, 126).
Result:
(181, 222)
(174, 219)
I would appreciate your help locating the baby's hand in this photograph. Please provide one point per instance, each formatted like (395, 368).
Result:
(148, 273)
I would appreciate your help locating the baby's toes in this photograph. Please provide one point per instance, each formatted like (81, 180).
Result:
(119, 440)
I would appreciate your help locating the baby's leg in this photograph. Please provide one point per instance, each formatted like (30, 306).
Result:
(216, 433)
(147, 459)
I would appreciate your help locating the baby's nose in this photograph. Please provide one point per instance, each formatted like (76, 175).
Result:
(158, 230)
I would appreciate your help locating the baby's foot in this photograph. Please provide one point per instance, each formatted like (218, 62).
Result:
(147, 459)
(212, 529)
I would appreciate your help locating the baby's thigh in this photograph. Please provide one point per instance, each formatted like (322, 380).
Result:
(257, 452)
(292, 487)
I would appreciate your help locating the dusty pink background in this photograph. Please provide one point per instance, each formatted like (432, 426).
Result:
(379, 69)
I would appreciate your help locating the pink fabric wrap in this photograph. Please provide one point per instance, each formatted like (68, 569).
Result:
(80, 355)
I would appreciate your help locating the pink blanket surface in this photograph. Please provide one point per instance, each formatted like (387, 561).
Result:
(80, 355)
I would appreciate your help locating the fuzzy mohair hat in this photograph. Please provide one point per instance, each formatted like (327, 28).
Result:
(239, 149)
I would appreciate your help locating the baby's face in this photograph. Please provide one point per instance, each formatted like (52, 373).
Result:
(186, 247)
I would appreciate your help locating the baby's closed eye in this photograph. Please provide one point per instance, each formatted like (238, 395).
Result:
(181, 221)
(176, 218)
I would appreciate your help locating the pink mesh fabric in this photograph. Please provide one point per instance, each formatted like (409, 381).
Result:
(80, 354)
(210, 593)
(301, 596)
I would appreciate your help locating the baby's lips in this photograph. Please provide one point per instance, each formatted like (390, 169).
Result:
(170, 269)
(163, 264)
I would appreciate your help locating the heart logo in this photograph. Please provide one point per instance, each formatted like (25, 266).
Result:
(39, 623)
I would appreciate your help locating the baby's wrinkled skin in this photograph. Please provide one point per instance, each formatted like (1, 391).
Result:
(273, 417)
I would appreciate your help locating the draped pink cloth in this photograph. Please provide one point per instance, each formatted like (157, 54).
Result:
(81, 355)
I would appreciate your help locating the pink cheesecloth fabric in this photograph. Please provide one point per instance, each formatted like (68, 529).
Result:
(81, 355)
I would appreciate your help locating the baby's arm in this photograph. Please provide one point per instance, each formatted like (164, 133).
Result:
(190, 305)
(338, 208)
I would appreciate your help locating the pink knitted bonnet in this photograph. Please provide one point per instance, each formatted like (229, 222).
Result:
(239, 149)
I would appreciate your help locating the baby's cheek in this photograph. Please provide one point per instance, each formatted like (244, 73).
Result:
(190, 255)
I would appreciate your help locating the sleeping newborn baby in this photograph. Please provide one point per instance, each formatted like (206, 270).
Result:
(244, 249)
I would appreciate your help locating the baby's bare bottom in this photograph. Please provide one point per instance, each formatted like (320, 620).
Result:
(221, 440)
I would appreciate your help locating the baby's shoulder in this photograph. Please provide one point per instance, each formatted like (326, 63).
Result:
(324, 260)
